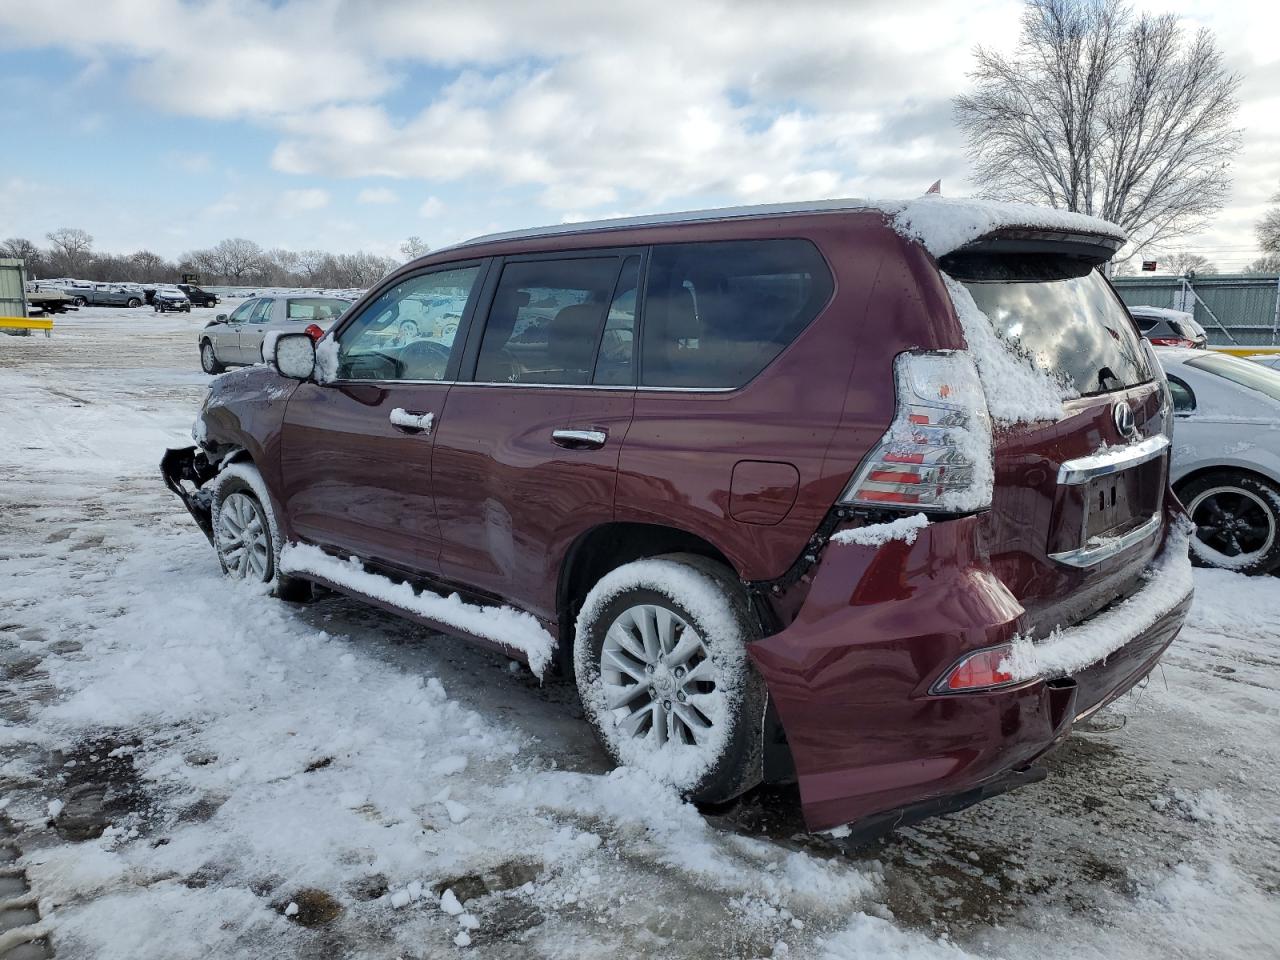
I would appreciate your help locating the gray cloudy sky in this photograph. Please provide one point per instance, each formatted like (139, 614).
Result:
(344, 123)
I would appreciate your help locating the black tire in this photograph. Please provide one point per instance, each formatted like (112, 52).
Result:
(209, 360)
(1237, 518)
(702, 594)
(133, 303)
(81, 302)
(232, 496)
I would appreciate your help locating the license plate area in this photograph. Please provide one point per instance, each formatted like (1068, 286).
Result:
(1107, 507)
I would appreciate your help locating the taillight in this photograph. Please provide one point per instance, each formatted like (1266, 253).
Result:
(1172, 342)
(978, 671)
(936, 455)
(314, 331)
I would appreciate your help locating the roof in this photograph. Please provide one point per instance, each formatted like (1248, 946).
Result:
(941, 224)
(1164, 313)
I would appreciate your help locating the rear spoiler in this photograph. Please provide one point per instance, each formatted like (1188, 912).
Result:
(1093, 248)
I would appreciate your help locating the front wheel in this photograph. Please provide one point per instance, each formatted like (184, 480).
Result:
(245, 534)
(81, 301)
(208, 360)
(662, 670)
(1237, 518)
(133, 303)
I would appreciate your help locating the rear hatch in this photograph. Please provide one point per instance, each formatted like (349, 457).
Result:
(1077, 507)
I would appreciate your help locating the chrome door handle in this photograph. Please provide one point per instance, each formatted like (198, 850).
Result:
(411, 421)
(579, 439)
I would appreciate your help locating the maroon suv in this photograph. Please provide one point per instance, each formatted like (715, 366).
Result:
(871, 497)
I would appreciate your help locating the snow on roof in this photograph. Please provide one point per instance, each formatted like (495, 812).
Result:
(1164, 313)
(941, 224)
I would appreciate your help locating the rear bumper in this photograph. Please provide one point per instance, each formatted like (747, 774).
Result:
(850, 681)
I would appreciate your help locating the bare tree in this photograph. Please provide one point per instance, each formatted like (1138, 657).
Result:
(236, 257)
(72, 249)
(150, 266)
(1184, 262)
(1268, 264)
(413, 248)
(310, 262)
(1107, 114)
(20, 248)
(1268, 228)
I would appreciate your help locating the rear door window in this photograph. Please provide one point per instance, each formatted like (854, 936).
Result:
(1058, 313)
(545, 320)
(316, 308)
(716, 314)
(1244, 372)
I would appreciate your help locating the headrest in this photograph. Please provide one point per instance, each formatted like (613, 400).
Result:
(571, 337)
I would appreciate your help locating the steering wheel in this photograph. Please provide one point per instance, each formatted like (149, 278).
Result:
(425, 359)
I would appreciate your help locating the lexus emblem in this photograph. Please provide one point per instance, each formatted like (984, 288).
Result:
(1122, 413)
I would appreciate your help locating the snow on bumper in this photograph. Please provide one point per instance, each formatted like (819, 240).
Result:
(1068, 651)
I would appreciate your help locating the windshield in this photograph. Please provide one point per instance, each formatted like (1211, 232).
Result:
(1244, 372)
(1060, 314)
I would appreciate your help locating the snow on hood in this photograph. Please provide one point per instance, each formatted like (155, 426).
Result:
(943, 224)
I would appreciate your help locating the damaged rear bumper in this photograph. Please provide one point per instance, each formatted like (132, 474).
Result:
(189, 465)
(851, 677)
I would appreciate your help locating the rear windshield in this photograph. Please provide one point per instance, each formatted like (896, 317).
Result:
(1059, 313)
(1244, 372)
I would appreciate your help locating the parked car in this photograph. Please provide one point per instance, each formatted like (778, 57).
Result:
(104, 295)
(170, 299)
(235, 339)
(197, 296)
(1170, 328)
(1226, 462)
(759, 513)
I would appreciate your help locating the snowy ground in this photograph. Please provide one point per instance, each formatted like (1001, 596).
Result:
(186, 758)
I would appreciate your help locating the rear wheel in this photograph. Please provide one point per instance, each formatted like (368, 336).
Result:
(81, 301)
(1237, 518)
(244, 535)
(134, 302)
(209, 360)
(663, 674)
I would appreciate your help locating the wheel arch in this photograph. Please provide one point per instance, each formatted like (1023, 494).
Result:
(1250, 470)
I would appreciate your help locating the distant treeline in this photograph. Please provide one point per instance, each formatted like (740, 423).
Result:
(234, 261)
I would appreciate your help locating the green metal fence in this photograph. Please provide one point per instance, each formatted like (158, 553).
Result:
(1234, 310)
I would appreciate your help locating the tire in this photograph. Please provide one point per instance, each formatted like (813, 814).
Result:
(133, 303)
(81, 302)
(1237, 518)
(699, 730)
(209, 360)
(246, 536)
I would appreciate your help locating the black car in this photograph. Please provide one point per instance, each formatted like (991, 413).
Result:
(170, 298)
(198, 297)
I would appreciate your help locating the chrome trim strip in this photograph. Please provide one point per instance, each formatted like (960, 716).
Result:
(614, 387)
(1087, 556)
(1112, 460)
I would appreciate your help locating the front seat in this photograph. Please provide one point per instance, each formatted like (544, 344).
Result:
(571, 342)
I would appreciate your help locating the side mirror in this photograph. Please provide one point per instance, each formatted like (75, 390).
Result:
(292, 355)
(220, 318)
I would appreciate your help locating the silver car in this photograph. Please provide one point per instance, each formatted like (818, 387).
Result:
(1226, 456)
(235, 340)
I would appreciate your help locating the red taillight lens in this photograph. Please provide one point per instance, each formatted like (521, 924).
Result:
(313, 331)
(978, 671)
(1172, 342)
(937, 453)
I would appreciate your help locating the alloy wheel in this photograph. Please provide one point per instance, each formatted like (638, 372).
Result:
(1234, 522)
(658, 681)
(243, 539)
(207, 359)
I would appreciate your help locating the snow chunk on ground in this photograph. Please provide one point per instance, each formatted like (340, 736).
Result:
(450, 905)
(878, 534)
(1017, 390)
(1066, 651)
(943, 224)
(505, 625)
(457, 812)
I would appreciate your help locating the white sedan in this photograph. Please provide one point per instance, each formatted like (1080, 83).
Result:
(1226, 456)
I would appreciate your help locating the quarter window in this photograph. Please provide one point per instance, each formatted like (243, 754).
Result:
(716, 314)
(545, 321)
(409, 331)
(1184, 401)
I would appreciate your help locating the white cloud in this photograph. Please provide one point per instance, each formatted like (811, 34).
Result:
(293, 202)
(431, 207)
(377, 195)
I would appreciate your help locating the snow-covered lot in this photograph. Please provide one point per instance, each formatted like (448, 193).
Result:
(197, 770)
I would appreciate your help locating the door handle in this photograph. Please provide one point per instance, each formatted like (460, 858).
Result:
(411, 421)
(579, 439)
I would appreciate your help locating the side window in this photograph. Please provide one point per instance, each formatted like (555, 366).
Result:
(1184, 401)
(617, 343)
(545, 321)
(408, 332)
(263, 311)
(241, 313)
(315, 308)
(716, 314)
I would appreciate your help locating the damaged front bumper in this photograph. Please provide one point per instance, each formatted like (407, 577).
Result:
(189, 465)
